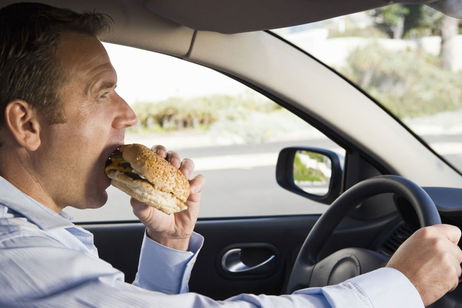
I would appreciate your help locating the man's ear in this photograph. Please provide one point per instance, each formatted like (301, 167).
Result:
(22, 121)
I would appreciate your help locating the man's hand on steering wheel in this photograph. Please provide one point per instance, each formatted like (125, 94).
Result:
(431, 259)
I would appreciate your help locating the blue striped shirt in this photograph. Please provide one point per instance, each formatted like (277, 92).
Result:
(47, 261)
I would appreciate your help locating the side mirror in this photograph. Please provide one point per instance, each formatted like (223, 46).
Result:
(313, 173)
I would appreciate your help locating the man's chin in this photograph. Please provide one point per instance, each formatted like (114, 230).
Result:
(98, 196)
(96, 201)
(107, 182)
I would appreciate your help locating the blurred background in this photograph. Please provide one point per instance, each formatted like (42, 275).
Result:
(407, 57)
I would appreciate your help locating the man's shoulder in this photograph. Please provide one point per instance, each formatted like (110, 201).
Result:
(16, 230)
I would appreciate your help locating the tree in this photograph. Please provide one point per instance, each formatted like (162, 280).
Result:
(411, 20)
(449, 54)
(390, 19)
(407, 20)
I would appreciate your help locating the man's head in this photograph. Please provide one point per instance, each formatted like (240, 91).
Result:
(60, 114)
(28, 41)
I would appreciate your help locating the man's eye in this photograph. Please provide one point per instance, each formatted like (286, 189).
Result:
(104, 95)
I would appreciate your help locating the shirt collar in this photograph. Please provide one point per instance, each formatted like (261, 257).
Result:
(35, 212)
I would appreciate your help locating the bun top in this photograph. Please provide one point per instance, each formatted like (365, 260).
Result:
(154, 168)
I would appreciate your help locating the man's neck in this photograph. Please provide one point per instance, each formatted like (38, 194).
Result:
(15, 171)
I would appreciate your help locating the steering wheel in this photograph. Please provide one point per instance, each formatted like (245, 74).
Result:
(309, 271)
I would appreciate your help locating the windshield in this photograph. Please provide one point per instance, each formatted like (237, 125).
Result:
(407, 57)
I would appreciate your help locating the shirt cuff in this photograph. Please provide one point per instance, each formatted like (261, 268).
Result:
(165, 269)
(382, 288)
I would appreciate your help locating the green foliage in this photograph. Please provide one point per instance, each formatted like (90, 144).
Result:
(392, 14)
(302, 173)
(421, 21)
(390, 19)
(316, 156)
(178, 113)
(407, 20)
(408, 83)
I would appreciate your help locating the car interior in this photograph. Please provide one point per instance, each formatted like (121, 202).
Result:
(388, 185)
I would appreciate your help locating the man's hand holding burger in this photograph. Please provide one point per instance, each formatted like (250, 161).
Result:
(173, 230)
(159, 185)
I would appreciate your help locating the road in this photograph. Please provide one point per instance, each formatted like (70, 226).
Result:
(241, 181)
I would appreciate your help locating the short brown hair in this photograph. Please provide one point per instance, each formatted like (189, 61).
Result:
(29, 69)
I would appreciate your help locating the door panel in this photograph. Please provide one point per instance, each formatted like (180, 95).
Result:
(281, 236)
(259, 238)
(250, 242)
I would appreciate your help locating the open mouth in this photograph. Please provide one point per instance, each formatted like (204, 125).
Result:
(108, 153)
(118, 163)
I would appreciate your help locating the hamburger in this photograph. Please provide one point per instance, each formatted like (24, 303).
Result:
(148, 177)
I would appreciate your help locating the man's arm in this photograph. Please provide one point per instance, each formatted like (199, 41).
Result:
(422, 270)
(40, 272)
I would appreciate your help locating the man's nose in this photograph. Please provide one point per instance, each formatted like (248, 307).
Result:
(126, 117)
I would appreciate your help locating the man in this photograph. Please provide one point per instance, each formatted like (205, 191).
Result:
(60, 119)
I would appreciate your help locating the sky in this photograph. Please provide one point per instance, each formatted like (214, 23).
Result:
(148, 76)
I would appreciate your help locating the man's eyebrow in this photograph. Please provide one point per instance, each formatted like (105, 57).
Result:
(103, 85)
(106, 85)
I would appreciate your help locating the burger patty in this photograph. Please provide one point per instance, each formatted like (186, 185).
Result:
(116, 162)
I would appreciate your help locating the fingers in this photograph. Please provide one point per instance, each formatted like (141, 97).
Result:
(160, 150)
(186, 165)
(451, 232)
(174, 159)
(196, 185)
(457, 271)
(194, 199)
(456, 252)
(431, 259)
(170, 156)
(443, 237)
(445, 241)
(140, 209)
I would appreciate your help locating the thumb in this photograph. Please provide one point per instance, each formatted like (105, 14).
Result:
(140, 209)
(197, 184)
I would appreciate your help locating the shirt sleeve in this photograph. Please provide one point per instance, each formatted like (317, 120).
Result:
(174, 266)
(40, 272)
(382, 288)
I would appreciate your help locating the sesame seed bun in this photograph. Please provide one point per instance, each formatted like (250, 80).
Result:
(148, 177)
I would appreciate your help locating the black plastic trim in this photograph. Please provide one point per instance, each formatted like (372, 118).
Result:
(284, 173)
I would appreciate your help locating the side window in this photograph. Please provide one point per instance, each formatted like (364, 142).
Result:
(232, 133)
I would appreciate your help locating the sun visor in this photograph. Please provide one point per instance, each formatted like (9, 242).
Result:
(451, 8)
(234, 16)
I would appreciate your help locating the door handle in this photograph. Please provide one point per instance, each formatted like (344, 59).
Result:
(231, 262)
